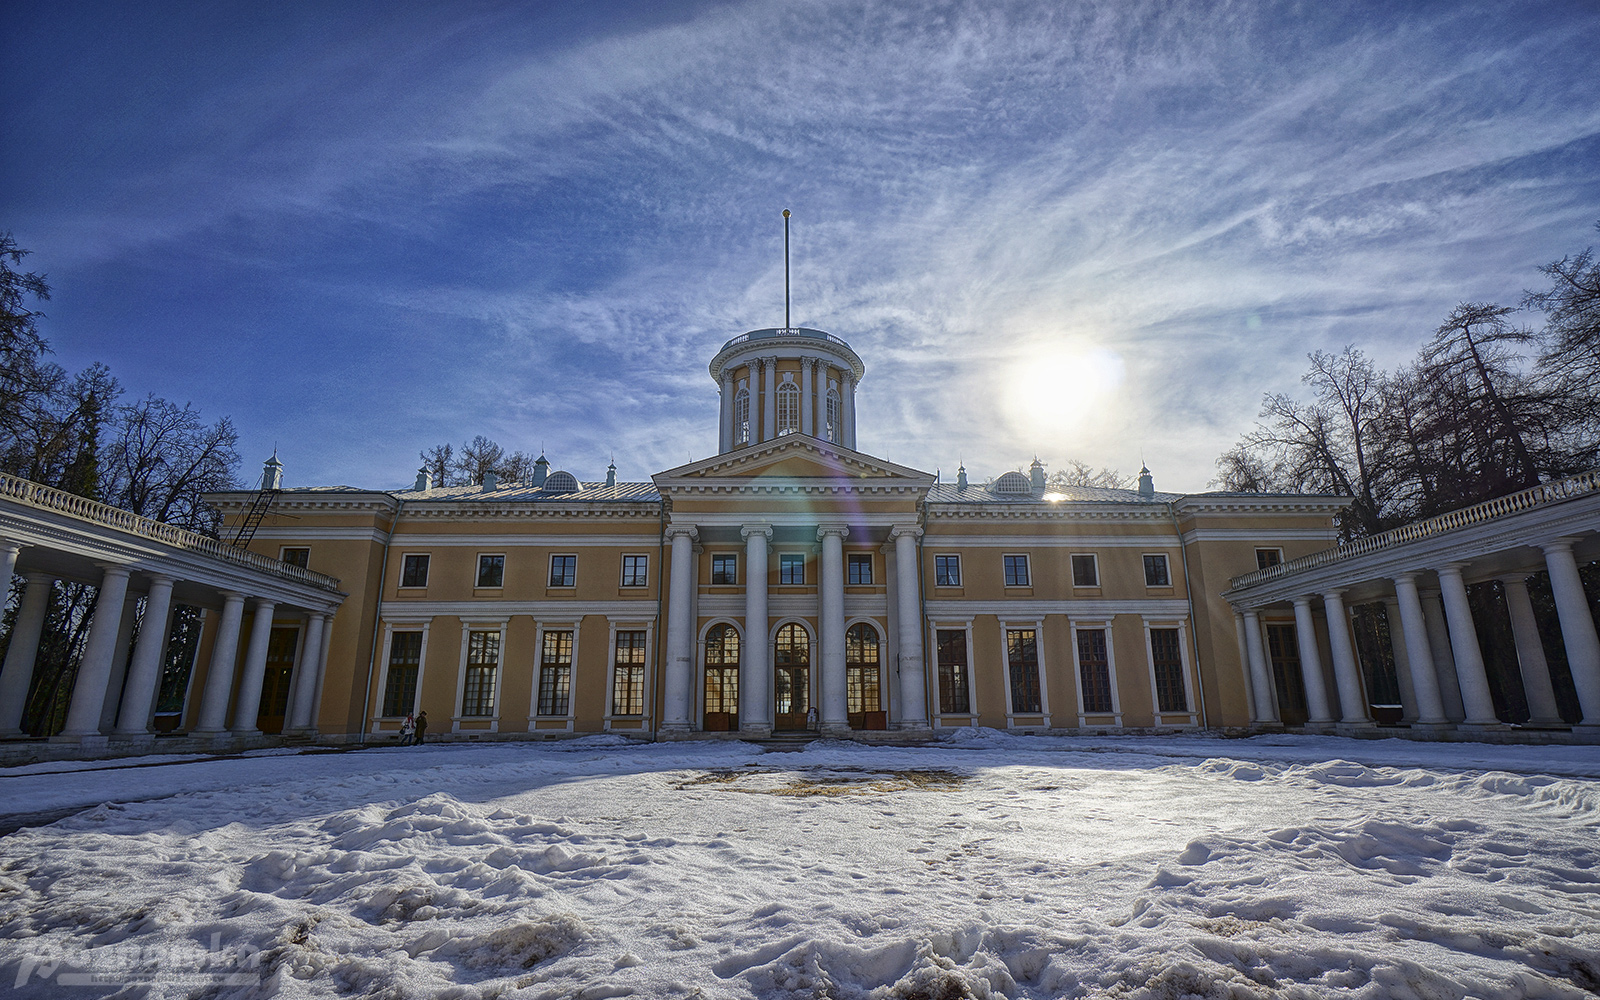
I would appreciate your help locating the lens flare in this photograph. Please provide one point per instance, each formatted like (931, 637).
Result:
(1063, 392)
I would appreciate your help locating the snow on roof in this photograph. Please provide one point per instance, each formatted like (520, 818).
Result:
(976, 493)
(525, 493)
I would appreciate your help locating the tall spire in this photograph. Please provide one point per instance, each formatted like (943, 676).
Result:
(786, 269)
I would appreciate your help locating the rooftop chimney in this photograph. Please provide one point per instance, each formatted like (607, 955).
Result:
(491, 481)
(424, 479)
(1147, 486)
(1036, 476)
(541, 469)
(272, 474)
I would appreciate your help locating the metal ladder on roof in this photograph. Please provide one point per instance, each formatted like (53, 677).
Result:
(254, 515)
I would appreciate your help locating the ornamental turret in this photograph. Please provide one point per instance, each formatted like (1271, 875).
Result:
(786, 381)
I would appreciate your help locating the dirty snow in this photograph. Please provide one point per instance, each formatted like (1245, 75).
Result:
(989, 866)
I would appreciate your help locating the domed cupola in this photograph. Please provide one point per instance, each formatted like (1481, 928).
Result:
(787, 381)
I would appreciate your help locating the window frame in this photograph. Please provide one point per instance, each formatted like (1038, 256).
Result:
(787, 408)
(733, 578)
(551, 581)
(743, 431)
(1277, 553)
(1008, 577)
(703, 658)
(477, 581)
(642, 666)
(1094, 565)
(785, 561)
(389, 630)
(427, 567)
(643, 574)
(492, 695)
(1181, 627)
(1106, 627)
(853, 560)
(284, 550)
(1166, 570)
(1037, 628)
(971, 713)
(954, 581)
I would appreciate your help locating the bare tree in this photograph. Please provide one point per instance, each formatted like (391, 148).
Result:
(1076, 473)
(1570, 342)
(440, 463)
(163, 458)
(479, 457)
(517, 467)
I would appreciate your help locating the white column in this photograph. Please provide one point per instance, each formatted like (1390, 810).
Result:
(1577, 628)
(908, 591)
(1542, 710)
(1244, 665)
(224, 656)
(1352, 702)
(822, 400)
(8, 565)
(17, 673)
(755, 670)
(1464, 644)
(1419, 655)
(255, 671)
(322, 669)
(679, 690)
(769, 398)
(305, 675)
(120, 654)
(1444, 662)
(807, 397)
(1305, 635)
(144, 673)
(847, 403)
(1402, 661)
(1260, 673)
(94, 670)
(725, 415)
(834, 716)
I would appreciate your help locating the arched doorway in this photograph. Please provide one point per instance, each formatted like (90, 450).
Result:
(722, 680)
(863, 698)
(791, 667)
(278, 679)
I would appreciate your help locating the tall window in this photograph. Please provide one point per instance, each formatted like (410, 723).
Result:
(483, 657)
(1017, 571)
(635, 571)
(1094, 671)
(833, 416)
(563, 571)
(1155, 571)
(953, 695)
(1085, 571)
(724, 570)
(792, 569)
(1167, 658)
(405, 658)
(788, 408)
(414, 571)
(792, 670)
(722, 670)
(741, 417)
(555, 673)
(627, 682)
(859, 569)
(491, 571)
(947, 571)
(1022, 655)
(861, 672)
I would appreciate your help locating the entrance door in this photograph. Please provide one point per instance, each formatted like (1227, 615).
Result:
(722, 680)
(861, 678)
(791, 683)
(1284, 650)
(281, 645)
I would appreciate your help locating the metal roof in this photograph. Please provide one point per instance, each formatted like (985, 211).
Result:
(975, 493)
(524, 493)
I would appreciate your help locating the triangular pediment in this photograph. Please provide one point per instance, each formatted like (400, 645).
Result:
(794, 457)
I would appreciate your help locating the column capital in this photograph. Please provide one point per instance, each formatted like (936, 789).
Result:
(37, 577)
(263, 602)
(755, 529)
(1303, 601)
(1562, 544)
(1452, 568)
(1336, 594)
(229, 596)
(824, 530)
(115, 569)
(905, 529)
(161, 578)
(7, 545)
(1514, 578)
(1410, 576)
(1250, 613)
(688, 530)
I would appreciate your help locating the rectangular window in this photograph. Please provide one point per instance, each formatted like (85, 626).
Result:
(1017, 571)
(635, 571)
(792, 569)
(1268, 557)
(954, 698)
(491, 571)
(405, 659)
(414, 571)
(627, 683)
(1155, 571)
(947, 571)
(295, 557)
(860, 569)
(555, 673)
(724, 570)
(563, 571)
(1085, 571)
(1167, 658)
(1022, 656)
(483, 657)
(1094, 671)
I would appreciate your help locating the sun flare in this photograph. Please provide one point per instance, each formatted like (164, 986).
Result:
(1062, 392)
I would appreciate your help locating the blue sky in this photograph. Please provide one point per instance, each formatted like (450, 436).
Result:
(1083, 231)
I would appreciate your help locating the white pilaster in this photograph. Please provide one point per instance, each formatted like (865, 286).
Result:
(847, 404)
(1352, 700)
(304, 687)
(94, 670)
(1464, 644)
(144, 673)
(17, 673)
(1541, 695)
(1260, 673)
(908, 593)
(1577, 628)
(807, 397)
(769, 398)
(725, 437)
(120, 654)
(834, 714)
(1305, 635)
(224, 657)
(678, 696)
(255, 671)
(821, 410)
(1419, 655)
(755, 670)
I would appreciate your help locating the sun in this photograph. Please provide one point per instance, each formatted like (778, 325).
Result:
(1063, 392)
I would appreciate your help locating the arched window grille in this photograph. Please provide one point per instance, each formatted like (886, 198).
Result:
(788, 408)
(833, 416)
(741, 417)
(861, 673)
(722, 671)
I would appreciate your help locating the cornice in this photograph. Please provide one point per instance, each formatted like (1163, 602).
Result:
(1050, 512)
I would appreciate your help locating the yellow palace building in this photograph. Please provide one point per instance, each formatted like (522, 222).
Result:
(790, 582)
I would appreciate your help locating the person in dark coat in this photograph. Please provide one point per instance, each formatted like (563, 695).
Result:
(422, 727)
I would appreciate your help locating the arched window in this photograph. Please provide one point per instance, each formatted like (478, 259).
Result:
(792, 677)
(833, 434)
(861, 673)
(788, 408)
(722, 678)
(741, 417)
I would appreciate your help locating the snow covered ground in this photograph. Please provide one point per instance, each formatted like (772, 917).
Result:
(993, 866)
